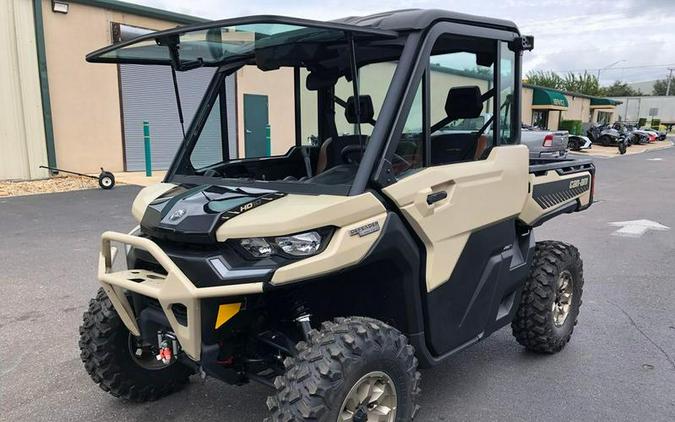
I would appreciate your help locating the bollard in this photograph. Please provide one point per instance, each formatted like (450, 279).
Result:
(146, 143)
(268, 139)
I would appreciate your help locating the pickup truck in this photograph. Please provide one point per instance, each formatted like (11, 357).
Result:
(545, 143)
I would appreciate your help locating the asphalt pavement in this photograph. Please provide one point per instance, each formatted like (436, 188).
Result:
(619, 366)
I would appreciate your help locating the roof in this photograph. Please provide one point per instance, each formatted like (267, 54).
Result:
(417, 19)
(548, 97)
(138, 10)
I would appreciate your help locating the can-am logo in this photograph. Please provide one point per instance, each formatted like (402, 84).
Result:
(578, 183)
(177, 215)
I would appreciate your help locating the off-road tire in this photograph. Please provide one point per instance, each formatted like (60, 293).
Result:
(533, 325)
(622, 147)
(326, 367)
(104, 349)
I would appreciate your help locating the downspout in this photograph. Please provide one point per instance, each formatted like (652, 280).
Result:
(44, 83)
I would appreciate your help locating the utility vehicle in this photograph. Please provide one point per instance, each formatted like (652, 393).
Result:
(329, 244)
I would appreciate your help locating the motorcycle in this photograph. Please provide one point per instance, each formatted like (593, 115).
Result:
(604, 135)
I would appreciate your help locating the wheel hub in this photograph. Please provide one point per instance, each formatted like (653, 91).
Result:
(372, 398)
(563, 298)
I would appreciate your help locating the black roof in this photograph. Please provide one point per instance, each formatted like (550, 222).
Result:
(417, 19)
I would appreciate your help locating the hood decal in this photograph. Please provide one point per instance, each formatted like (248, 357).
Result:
(193, 215)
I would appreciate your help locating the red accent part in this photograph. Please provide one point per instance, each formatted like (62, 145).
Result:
(548, 140)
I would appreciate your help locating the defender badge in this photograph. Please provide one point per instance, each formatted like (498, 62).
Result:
(178, 214)
(366, 229)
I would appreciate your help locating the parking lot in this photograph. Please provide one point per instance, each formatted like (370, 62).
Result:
(620, 365)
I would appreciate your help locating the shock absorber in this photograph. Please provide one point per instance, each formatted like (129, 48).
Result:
(303, 319)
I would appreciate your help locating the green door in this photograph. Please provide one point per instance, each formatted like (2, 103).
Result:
(256, 126)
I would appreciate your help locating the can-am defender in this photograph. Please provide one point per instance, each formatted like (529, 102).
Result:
(324, 228)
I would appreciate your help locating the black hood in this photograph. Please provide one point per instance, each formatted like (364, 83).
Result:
(193, 214)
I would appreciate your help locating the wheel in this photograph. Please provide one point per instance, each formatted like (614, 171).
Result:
(605, 140)
(353, 369)
(106, 180)
(108, 352)
(622, 148)
(551, 298)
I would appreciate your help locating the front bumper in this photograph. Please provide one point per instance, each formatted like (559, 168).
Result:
(172, 288)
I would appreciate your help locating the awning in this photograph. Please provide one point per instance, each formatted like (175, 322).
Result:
(604, 103)
(543, 98)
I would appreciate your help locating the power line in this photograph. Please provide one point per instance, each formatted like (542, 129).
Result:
(615, 68)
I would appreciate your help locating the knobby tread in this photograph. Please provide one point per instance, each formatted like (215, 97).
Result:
(533, 323)
(315, 382)
(106, 357)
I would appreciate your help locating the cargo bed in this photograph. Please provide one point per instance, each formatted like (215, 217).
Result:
(557, 186)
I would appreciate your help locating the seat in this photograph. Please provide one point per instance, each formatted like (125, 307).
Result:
(330, 154)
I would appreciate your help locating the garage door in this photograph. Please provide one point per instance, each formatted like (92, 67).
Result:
(147, 94)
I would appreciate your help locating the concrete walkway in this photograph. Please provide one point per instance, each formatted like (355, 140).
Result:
(139, 178)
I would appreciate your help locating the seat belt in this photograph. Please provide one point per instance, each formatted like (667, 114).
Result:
(308, 162)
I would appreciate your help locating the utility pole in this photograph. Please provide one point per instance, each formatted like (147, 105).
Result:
(670, 78)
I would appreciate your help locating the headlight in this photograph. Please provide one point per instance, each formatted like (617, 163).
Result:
(303, 244)
(296, 245)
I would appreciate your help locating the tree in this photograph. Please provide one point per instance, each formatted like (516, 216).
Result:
(661, 86)
(620, 89)
(545, 79)
(583, 83)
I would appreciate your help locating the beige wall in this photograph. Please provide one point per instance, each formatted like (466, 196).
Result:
(277, 85)
(579, 109)
(85, 96)
(22, 138)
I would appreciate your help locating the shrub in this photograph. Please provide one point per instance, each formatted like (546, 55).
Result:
(574, 127)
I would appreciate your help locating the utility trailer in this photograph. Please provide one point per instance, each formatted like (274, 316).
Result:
(376, 235)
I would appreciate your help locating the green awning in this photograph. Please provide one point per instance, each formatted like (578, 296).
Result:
(604, 102)
(549, 97)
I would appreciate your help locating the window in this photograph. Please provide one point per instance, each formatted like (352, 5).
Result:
(409, 155)
(507, 98)
(460, 103)
(540, 119)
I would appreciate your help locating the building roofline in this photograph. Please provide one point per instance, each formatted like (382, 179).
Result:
(139, 10)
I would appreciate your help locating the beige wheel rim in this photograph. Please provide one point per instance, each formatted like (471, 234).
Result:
(563, 298)
(371, 399)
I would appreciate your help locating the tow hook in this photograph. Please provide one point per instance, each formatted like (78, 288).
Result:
(168, 347)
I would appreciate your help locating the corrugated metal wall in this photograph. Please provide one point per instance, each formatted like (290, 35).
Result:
(22, 138)
(147, 94)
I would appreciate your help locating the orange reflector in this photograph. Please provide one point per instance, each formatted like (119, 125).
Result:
(226, 312)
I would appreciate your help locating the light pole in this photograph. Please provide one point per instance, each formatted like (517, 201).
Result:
(670, 78)
(607, 67)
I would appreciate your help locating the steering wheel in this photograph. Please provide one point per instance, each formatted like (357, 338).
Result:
(349, 155)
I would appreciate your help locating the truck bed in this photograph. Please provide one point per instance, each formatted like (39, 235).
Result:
(557, 186)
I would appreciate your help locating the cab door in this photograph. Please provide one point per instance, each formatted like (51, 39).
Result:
(462, 200)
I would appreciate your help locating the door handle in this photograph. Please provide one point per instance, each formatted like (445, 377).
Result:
(436, 196)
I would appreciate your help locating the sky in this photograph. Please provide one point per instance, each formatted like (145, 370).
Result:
(625, 37)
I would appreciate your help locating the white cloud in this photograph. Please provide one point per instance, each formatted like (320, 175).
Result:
(569, 34)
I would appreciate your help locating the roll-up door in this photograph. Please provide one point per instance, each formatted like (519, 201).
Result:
(147, 94)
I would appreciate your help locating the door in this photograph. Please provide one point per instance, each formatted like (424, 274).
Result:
(463, 211)
(147, 94)
(256, 126)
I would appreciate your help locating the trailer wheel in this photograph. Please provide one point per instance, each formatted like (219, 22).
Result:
(352, 369)
(551, 298)
(105, 349)
(106, 180)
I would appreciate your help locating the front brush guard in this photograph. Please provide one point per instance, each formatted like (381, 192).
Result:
(169, 289)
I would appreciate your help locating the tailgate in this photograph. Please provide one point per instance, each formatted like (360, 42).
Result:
(557, 187)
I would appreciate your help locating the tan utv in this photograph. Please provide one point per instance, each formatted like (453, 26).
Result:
(340, 211)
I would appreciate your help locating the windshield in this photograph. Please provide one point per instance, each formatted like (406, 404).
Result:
(288, 115)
